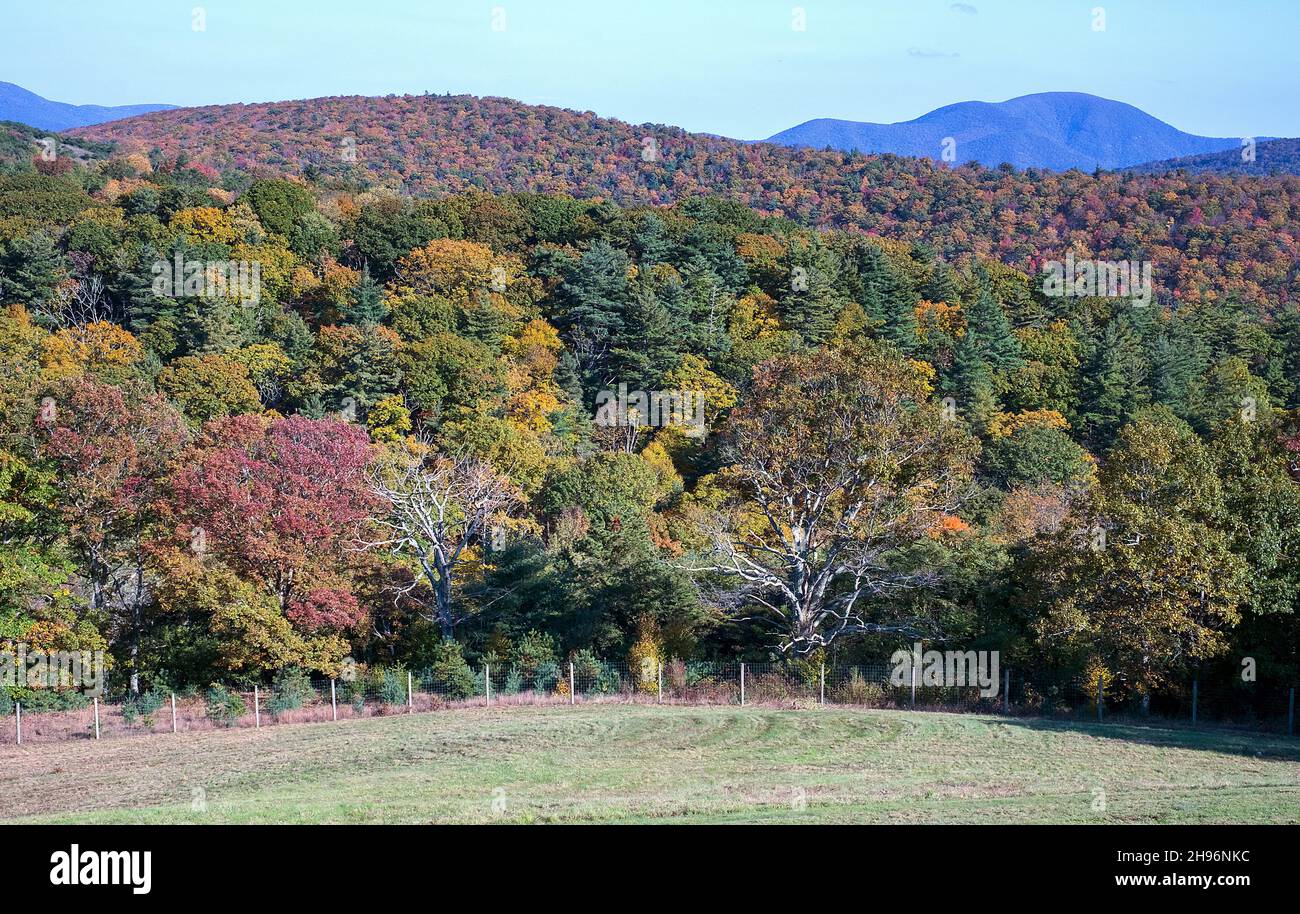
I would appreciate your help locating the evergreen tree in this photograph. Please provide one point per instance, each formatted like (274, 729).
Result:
(366, 306)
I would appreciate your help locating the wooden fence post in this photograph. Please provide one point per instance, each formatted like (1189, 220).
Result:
(822, 686)
(487, 682)
(913, 683)
(96, 717)
(334, 701)
(18, 709)
(742, 684)
(661, 682)
(257, 708)
(410, 699)
(173, 712)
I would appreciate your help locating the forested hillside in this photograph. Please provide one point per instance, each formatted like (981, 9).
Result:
(1210, 237)
(368, 425)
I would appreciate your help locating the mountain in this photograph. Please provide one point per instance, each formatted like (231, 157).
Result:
(1053, 130)
(18, 104)
(1272, 157)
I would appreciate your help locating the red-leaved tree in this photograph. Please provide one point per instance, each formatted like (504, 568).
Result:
(283, 502)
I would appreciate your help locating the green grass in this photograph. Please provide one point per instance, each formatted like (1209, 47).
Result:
(642, 763)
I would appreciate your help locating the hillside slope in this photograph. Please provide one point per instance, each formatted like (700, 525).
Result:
(436, 145)
(1272, 157)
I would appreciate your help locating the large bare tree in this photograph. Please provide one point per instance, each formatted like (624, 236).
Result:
(838, 458)
(437, 507)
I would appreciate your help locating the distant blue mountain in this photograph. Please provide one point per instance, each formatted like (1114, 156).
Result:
(1052, 130)
(18, 104)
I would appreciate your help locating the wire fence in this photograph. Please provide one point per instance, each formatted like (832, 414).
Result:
(1261, 706)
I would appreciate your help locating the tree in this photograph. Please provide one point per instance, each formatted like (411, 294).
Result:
(1150, 585)
(209, 387)
(283, 503)
(437, 508)
(114, 454)
(366, 305)
(838, 459)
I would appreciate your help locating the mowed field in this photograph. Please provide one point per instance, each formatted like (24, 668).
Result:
(646, 763)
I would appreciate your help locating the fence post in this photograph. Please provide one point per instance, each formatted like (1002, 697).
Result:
(1196, 689)
(257, 708)
(573, 687)
(410, 701)
(660, 698)
(18, 708)
(173, 712)
(487, 682)
(96, 700)
(822, 687)
(334, 701)
(913, 683)
(1099, 694)
(742, 684)
(1290, 713)
(1006, 691)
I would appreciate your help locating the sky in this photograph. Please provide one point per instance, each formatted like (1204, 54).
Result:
(740, 68)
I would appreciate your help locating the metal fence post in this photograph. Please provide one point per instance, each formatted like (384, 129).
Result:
(334, 701)
(742, 684)
(822, 686)
(410, 700)
(660, 697)
(173, 712)
(257, 708)
(573, 687)
(18, 709)
(1196, 690)
(1006, 691)
(1099, 694)
(96, 717)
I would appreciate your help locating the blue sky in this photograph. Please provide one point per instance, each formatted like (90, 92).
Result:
(736, 67)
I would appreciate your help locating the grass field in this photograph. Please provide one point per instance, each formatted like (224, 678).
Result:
(643, 763)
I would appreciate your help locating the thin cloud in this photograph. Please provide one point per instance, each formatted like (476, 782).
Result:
(965, 8)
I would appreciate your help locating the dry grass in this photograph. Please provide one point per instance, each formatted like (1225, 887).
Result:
(633, 762)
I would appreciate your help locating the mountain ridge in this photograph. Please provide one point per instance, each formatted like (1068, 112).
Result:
(1050, 130)
(26, 107)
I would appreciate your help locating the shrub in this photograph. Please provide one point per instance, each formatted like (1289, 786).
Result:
(6, 702)
(392, 686)
(533, 650)
(546, 676)
(645, 655)
(594, 676)
(858, 691)
(514, 683)
(450, 673)
(291, 689)
(142, 707)
(224, 707)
